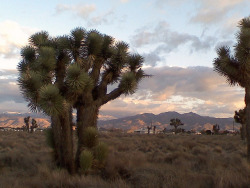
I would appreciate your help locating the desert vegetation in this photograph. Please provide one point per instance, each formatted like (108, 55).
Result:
(59, 74)
(132, 161)
(235, 67)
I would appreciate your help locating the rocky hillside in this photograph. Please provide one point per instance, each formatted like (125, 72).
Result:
(190, 120)
(17, 119)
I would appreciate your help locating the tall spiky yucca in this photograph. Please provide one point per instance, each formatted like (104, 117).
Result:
(41, 80)
(102, 62)
(75, 71)
(236, 67)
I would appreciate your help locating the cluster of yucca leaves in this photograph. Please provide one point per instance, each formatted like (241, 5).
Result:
(95, 152)
(240, 117)
(74, 71)
(236, 67)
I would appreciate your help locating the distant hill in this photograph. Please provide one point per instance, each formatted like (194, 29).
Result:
(190, 120)
(131, 123)
(17, 119)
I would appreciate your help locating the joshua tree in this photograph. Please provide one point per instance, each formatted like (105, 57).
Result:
(27, 123)
(240, 117)
(154, 127)
(236, 67)
(149, 128)
(33, 125)
(41, 79)
(176, 123)
(58, 74)
(216, 129)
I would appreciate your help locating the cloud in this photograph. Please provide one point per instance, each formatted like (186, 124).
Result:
(101, 19)
(80, 10)
(214, 11)
(13, 36)
(124, 1)
(9, 90)
(168, 40)
(151, 58)
(196, 89)
(87, 12)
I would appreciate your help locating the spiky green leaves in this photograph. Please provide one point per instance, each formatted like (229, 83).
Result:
(128, 83)
(94, 43)
(107, 49)
(101, 152)
(135, 62)
(28, 53)
(77, 80)
(242, 48)
(46, 58)
(86, 160)
(39, 39)
(62, 43)
(236, 68)
(51, 102)
(90, 138)
(30, 83)
(227, 66)
(77, 36)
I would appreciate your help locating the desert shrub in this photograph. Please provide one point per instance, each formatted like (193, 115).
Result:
(86, 160)
(117, 166)
(148, 161)
(90, 137)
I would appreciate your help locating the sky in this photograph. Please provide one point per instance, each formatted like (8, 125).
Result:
(178, 40)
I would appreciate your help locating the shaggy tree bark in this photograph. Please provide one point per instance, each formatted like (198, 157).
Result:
(247, 101)
(87, 115)
(63, 142)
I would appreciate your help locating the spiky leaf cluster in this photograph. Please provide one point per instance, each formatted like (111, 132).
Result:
(240, 116)
(81, 65)
(128, 83)
(76, 79)
(236, 67)
(90, 137)
(50, 100)
(175, 122)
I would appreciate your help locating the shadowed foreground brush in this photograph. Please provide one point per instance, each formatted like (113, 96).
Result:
(217, 161)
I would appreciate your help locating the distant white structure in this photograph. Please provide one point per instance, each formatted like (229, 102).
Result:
(141, 131)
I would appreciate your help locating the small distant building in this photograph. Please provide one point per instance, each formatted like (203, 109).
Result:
(141, 131)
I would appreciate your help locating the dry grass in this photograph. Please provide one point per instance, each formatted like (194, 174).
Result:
(133, 161)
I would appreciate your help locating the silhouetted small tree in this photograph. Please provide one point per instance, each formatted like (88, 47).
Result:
(176, 123)
(27, 123)
(154, 129)
(216, 129)
(149, 128)
(33, 125)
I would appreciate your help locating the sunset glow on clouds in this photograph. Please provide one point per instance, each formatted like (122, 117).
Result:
(178, 40)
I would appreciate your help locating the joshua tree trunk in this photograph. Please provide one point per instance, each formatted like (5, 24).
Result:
(67, 143)
(56, 136)
(247, 101)
(86, 117)
(175, 129)
(63, 142)
(243, 131)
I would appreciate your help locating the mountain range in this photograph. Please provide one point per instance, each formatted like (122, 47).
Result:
(191, 121)
(14, 120)
(161, 121)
